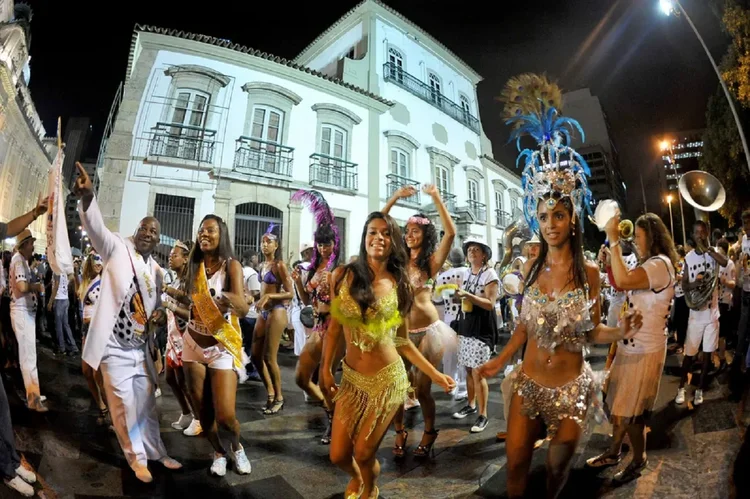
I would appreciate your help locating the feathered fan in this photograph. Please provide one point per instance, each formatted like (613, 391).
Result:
(529, 93)
(317, 204)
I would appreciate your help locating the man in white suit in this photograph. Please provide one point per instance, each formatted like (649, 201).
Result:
(121, 331)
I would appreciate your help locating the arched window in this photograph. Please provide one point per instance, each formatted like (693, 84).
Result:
(435, 92)
(396, 64)
(465, 107)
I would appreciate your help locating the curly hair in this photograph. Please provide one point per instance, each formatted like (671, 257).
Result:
(658, 238)
(324, 234)
(429, 243)
(362, 275)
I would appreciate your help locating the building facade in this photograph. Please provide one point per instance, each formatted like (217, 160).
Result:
(599, 149)
(208, 126)
(25, 159)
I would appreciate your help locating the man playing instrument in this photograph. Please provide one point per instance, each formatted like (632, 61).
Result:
(702, 295)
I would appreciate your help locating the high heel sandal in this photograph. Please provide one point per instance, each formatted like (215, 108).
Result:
(355, 495)
(269, 403)
(400, 450)
(275, 408)
(326, 438)
(427, 449)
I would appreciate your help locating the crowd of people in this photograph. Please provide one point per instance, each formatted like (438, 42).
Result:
(410, 310)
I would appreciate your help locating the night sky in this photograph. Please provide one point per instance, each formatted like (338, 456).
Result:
(649, 71)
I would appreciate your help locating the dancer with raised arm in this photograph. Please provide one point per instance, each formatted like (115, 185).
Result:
(121, 332)
(560, 312)
(429, 334)
(372, 298)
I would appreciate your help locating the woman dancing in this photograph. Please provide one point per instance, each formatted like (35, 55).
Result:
(428, 333)
(373, 297)
(90, 289)
(276, 286)
(559, 314)
(636, 370)
(212, 349)
(316, 291)
(177, 319)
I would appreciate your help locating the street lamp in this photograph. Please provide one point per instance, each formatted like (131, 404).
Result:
(671, 222)
(669, 7)
(668, 147)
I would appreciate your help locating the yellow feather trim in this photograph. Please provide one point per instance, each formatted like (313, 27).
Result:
(365, 335)
(445, 287)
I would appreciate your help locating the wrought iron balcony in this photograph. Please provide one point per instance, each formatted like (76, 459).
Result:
(183, 142)
(479, 210)
(331, 172)
(502, 219)
(260, 157)
(396, 181)
(449, 200)
(396, 75)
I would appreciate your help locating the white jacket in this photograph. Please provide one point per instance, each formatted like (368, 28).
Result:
(117, 277)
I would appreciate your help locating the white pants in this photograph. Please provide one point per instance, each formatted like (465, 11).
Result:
(24, 325)
(132, 404)
(300, 332)
(450, 367)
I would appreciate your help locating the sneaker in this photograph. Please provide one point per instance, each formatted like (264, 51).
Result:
(466, 411)
(680, 398)
(219, 466)
(411, 403)
(480, 425)
(157, 393)
(603, 460)
(42, 398)
(194, 429)
(20, 486)
(241, 462)
(698, 398)
(28, 476)
(184, 422)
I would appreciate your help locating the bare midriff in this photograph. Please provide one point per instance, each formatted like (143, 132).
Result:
(551, 370)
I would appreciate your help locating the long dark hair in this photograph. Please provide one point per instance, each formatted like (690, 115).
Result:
(576, 242)
(224, 251)
(273, 230)
(657, 235)
(429, 242)
(186, 254)
(362, 275)
(325, 235)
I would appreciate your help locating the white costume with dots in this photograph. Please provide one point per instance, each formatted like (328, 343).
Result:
(703, 324)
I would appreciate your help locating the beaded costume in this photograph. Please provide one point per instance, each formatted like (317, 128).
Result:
(360, 397)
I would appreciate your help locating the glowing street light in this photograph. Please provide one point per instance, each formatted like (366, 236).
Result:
(667, 146)
(669, 7)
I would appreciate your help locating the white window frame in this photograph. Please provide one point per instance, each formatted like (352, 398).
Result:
(439, 168)
(189, 110)
(402, 164)
(473, 190)
(344, 142)
(436, 86)
(396, 59)
(499, 203)
(266, 122)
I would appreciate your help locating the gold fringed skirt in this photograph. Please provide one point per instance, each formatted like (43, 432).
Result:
(360, 396)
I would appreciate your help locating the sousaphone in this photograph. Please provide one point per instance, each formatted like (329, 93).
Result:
(705, 194)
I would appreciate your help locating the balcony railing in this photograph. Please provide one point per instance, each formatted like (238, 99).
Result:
(183, 142)
(260, 157)
(328, 171)
(395, 74)
(502, 219)
(396, 181)
(449, 200)
(479, 210)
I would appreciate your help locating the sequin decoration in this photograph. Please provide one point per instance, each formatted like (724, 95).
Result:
(564, 322)
(360, 396)
(569, 401)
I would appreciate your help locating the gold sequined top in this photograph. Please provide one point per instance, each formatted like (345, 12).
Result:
(379, 325)
(564, 322)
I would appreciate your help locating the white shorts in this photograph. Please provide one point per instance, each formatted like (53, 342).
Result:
(215, 357)
(708, 332)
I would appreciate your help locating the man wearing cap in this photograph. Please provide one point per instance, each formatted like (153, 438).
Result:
(15, 475)
(533, 246)
(120, 337)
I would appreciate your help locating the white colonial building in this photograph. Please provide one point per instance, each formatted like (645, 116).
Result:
(208, 126)
(25, 157)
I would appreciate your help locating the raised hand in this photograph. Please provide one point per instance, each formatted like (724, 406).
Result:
(83, 188)
(405, 191)
(430, 190)
(41, 206)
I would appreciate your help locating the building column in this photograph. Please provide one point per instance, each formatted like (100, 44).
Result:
(223, 204)
(292, 233)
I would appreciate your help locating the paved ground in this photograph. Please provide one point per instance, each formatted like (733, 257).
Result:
(691, 452)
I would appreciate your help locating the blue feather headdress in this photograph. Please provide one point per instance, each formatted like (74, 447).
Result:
(554, 170)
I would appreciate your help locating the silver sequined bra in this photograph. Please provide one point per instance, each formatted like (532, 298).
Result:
(563, 322)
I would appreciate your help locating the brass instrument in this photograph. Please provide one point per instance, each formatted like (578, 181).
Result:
(627, 231)
(704, 193)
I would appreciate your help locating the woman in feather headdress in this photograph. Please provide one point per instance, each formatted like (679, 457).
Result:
(428, 333)
(560, 313)
(313, 286)
(276, 287)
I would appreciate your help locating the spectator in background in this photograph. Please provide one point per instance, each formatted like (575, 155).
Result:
(252, 291)
(59, 299)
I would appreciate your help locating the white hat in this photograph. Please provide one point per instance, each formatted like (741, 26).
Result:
(534, 239)
(475, 240)
(24, 236)
(306, 246)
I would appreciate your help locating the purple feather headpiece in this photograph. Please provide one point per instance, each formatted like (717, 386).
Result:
(318, 205)
(269, 232)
